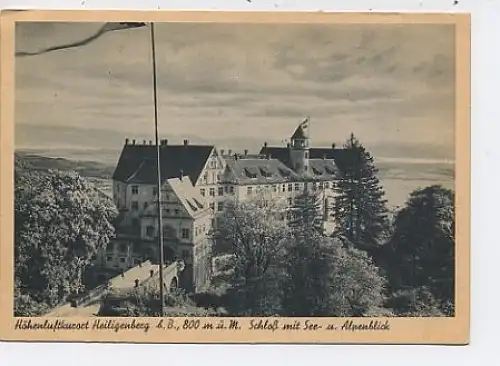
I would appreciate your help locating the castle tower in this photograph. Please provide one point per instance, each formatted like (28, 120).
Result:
(299, 149)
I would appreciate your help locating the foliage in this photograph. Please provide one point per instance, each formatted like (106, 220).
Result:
(256, 231)
(420, 253)
(415, 302)
(360, 213)
(146, 302)
(61, 221)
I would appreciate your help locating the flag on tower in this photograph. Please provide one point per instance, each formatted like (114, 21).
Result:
(305, 123)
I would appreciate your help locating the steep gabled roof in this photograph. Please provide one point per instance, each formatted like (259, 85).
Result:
(137, 163)
(261, 171)
(190, 197)
(339, 156)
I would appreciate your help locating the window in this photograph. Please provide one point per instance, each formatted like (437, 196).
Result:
(205, 176)
(150, 231)
(231, 190)
(155, 191)
(220, 206)
(185, 233)
(290, 187)
(297, 186)
(176, 211)
(283, 188)
(137, 261)
(221, 191)
(202, 192)
(306, 155)
(226, 189)
(249, 191)
(169, 232)
(218, 177)
(212, 205)
(122, 260)
(275, 188)
(135, 205)
(289, 201)
(146, 205)
(135, 189)
(212, 192)
(109, 258)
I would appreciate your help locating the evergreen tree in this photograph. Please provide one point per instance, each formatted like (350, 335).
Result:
(421, 251)
(360, 213)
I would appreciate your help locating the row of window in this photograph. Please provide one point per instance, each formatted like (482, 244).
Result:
(290, 187)
(220, 191)
(135, 190)
(166, 211)
(168, 232)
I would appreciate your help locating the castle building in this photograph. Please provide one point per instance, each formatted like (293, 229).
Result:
(197, 182)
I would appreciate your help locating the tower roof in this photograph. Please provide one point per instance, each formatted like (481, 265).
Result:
(299, 133)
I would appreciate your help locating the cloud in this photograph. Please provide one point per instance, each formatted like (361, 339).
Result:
(386, 83)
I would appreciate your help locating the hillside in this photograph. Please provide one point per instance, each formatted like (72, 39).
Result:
(88, 169)
(97, 173)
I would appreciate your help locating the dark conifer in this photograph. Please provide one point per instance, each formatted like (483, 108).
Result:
(361, 214)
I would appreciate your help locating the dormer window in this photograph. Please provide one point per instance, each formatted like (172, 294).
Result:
(264, 171)
(250, 173)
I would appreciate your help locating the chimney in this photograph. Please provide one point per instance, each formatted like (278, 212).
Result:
(133, 142)
(181, 174)
(222, 152)
(126, 141)
(229, 152)
(324, 156)
(246, 152)
(333, 146)
(164, 142)
(268, 156)
(265, 144)
(186, 142)
(288, 145)
(144, 142)
(235, 156)
(150, 142)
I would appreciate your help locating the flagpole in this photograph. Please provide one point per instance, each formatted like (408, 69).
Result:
(158, 170)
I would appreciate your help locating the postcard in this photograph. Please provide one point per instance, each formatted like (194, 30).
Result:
(235, 177)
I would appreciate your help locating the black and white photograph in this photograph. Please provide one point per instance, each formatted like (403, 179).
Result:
(199, 169)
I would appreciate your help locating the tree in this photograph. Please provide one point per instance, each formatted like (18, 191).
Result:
(324, 278)
(360, 213)
(421, 251)
(61, 221)
(256, 231)
(306, 214)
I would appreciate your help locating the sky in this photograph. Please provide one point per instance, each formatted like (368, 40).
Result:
(233, 85)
